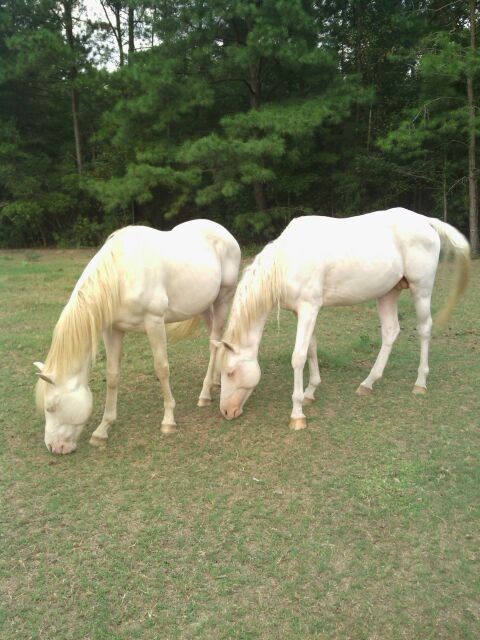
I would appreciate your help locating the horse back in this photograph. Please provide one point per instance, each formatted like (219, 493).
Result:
(350, 260)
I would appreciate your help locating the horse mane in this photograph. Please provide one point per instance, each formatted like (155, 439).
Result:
(259, 289)
(90, 308)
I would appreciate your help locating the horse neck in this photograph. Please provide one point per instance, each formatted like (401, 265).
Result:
(71, 352)
(259, 290)
(88, 312)
(251, 338)
(74, 342)
(77, 374)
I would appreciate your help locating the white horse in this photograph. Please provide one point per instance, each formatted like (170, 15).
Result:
(140, 280)
(319, 262)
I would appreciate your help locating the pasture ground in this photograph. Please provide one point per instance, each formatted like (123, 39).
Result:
(363, 526)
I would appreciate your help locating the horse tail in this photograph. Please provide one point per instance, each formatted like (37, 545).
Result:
(177, 331)
(453, 241)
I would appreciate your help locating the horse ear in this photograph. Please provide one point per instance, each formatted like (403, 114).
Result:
(222, 343)
(46, 378)
(40, 366)
(228, 346)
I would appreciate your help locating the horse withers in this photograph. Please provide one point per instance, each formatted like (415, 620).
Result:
(144, 280)
(321, 262)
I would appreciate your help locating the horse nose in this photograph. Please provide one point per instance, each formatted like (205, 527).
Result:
(61, 448)
(230, 414)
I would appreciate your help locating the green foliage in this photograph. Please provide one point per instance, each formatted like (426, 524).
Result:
(233, 110)
(430, 140)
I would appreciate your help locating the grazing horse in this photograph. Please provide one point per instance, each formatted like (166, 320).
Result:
(319, 261)
(140, 280)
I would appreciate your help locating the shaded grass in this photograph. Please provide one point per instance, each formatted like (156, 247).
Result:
(365, 525)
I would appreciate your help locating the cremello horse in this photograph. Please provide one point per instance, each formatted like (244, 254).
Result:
(319, 262)
(140, 280)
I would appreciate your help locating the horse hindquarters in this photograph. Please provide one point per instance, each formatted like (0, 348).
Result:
(421, 264)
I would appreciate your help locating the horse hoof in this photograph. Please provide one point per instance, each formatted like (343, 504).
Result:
(308, 400)
(169, 428)
(419, 391)
(364, 391)
(95, 441)
(204, 402)
(298, 423)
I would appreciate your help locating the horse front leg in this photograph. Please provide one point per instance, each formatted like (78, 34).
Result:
(215, 319)
(113, 340)
(155, 329)
(306, 319)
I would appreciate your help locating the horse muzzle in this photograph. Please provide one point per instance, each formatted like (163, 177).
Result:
(230, 414)
(61, 448)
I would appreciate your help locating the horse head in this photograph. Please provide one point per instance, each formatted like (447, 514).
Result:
(240, 373)
(67, 405)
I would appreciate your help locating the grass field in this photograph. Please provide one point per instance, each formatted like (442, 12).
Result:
(363, 526)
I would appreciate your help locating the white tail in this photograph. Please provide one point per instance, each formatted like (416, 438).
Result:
(177, 331)
(456, 242)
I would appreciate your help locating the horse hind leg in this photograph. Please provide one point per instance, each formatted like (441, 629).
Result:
(387, 307)
(422, 300)
(205, 397)
(314, 373)
(113, 340)
(215, 319)
(421, 267)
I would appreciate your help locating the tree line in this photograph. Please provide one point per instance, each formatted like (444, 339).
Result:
(248, 112)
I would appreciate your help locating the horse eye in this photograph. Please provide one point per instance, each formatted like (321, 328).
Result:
(230, 374)
(50, 408)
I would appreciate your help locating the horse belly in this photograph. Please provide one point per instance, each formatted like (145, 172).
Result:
(360, 282)
(190, 294)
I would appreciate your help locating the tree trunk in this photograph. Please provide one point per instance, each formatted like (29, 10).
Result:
(76, 128)
(472, 171)
(72, 74)
(131, 33)
(116, 8)
(445, 201)
(255, 101)
(369, 129)
(118, 33)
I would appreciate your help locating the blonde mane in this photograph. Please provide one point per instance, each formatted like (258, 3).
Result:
(260, 288)
(90, 309)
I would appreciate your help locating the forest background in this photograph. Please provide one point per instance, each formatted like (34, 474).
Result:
(248, 112)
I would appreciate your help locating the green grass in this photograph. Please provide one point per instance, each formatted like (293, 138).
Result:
(363, 526)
